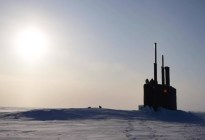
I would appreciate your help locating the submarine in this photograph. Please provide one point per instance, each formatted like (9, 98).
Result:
(160, 95)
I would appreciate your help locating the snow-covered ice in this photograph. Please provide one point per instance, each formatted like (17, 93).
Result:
(99, 124)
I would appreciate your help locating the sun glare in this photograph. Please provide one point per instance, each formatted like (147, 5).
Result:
(31, 44)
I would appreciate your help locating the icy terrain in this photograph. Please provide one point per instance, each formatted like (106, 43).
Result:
(99, 124)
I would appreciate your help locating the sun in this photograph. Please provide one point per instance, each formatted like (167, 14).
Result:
(31, 44)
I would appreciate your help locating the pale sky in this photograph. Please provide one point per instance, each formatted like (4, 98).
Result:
(94, 52)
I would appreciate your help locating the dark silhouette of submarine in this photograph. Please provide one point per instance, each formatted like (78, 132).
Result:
(160, 95)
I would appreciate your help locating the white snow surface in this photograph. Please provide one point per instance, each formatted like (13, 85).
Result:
(99, 124)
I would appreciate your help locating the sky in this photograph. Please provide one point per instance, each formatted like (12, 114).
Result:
(94, 52)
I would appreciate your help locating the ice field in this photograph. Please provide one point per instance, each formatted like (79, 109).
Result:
(99, 124)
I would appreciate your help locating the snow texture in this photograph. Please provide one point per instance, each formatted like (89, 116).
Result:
(99, 124)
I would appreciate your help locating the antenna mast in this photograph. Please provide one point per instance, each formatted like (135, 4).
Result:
(155, 64)
(163, 70)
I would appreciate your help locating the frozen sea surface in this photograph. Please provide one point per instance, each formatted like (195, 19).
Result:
(99, 124)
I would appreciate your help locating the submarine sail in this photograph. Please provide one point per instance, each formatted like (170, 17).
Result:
(160, 95)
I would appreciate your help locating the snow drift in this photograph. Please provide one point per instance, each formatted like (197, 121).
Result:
(95, 113)
(100, 124)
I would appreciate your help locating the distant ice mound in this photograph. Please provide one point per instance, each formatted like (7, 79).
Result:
(72, 114)
(96, 113)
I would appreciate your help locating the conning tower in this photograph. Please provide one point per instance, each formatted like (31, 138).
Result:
(160, 95)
